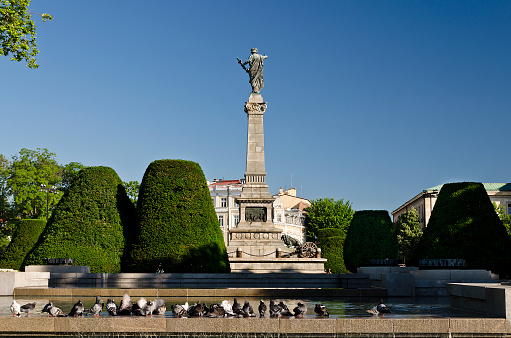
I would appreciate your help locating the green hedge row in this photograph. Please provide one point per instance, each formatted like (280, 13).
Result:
(90, 223)
(23, 240)
(464, 224)
(178, 223)
(332, 247)
(371, 235)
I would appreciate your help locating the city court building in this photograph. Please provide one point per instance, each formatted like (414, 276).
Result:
(288, 209)
(424, 202)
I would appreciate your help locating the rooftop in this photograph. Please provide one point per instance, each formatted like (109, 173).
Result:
(487, 186)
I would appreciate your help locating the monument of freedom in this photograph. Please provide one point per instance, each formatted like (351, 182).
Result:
(255, 244)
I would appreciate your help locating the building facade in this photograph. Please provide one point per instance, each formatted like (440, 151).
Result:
(424, 202)
(288, 209)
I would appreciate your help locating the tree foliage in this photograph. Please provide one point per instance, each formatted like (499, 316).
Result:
(464, 225)
(28, 171)
(18, 31)
(327, 213)
(408, 230)
(25, 237)
(505, 218)
(90, 223)
(178, 223)
(371, 235)
(132, 189)
(21, 180)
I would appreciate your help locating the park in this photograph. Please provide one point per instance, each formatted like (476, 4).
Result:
(84, 253)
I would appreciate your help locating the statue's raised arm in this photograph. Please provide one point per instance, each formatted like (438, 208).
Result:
(255, 72)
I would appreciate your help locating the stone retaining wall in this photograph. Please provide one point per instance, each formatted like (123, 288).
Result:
(13, 279)
(209, 280)
(490, 299)
(454, 327)
(219, 293)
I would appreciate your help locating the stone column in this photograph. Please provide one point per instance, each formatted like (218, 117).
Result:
(255, 232)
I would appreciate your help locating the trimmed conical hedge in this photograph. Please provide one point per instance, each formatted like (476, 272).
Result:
(370, 236)
(178, 223)
(89, 223)
(23, 240)
(464, 225)
(332, 246)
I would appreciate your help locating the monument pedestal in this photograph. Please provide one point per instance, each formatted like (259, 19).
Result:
(256, 239)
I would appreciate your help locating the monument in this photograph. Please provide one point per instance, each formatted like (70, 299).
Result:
(255, 245)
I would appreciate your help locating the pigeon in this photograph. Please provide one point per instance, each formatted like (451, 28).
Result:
(284, 310)
(380, 309)
(247, 310)
(77, 309)
(149, 308)
(111, 307)
(179, 311)
(262, 308)
(53, 311)
(216, 311)
(196, 310)
(237, 308)
(28, 307)
(275, 310)
(227, 308)
(300, 310)
(96, 308)
(47, 307)
(125, 306)
(160, 307)
(139, 307)
(15, 309)
(321, 310)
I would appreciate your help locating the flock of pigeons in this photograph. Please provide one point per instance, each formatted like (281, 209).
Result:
(225, 309)
(157, 307)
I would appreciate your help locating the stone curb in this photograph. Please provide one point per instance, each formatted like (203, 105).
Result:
(432, 326)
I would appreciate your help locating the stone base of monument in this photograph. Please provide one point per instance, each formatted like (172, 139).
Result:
(285, 265)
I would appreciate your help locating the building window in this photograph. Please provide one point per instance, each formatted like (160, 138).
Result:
(221, 220)
(509, 209)
(236, 219)
(213, 200)
(223, 202)
(279, 217)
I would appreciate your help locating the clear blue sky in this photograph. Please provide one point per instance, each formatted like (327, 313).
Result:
(369, 101)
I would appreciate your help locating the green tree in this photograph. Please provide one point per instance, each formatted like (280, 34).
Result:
(28, 172)
(408, 230)
(464, 225)
(5, 206)
(90, 223)
(178, 223)
(132, 189)
(327, 213)
(69, 172)
(505, 218)
(32, 182)
(18, 31)
(371, 235)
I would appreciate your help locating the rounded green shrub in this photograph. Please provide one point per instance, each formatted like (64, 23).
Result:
(332, 246)
(464, 225)
(178, 223)
(23, 240)
(370, 235)
(89, 223)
